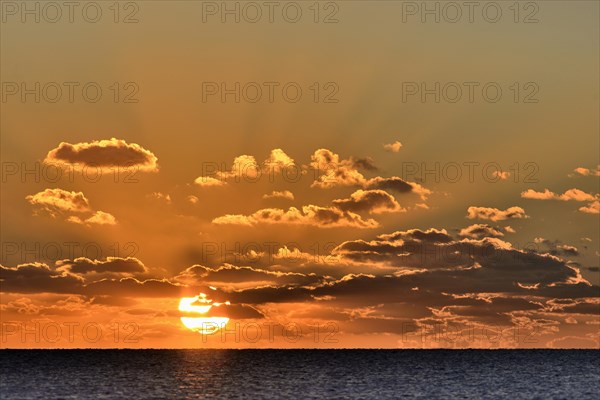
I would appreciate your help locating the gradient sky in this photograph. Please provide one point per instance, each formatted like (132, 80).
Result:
(381, 254)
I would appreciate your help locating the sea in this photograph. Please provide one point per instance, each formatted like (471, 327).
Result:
(299, 374)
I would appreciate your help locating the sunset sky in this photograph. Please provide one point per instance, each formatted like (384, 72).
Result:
(360, 214)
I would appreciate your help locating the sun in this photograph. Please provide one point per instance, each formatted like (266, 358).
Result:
(203, 325)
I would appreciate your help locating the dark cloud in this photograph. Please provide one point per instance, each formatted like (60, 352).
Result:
(364, 163)
(109, 153)
(131, 287)
(38, 278)
(557, 248)
(84, 265)
(394, 183)
(430, 277)
(480, 231)
(228, 274)
(370, 201)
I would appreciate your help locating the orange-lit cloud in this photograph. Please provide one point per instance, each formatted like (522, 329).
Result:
(592, 208)
(571, 194)
(285, 194)
(494, 214)
(99, 218)
(208, 181)
(311, 215)
(588, 172)
(479, 231)
(371, 201)
(393, 147)
(59, 200)
(106, 154)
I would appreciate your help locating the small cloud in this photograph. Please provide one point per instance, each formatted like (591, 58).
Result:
(494, 214)
(364, 163)
(557, 248)
(592, 208)
(99, 218)
(286, 194)
(571, 194)
(509, 229)
(371, 201)
(502, 175)
(162, 197)
(480, 231)
(244, 167)
(587, 172)
(393, 147)
(568, 249)
(277, 161)
(207, 181)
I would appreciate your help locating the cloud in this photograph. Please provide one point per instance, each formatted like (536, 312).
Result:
(592, 208)
(286, 194)
(83, 265)
(502, 175)
(38, 278)
(107, 154)
(59, 200)
(334, 171)
(41, 278)
(545, 195)
(245, 168)
(571, 194)
(366, 163)
(277, 161)
(568, 249)
(207, 181)
(161, 197)
(431, 235)
(398, 185)
(479, 231)
(310, 215)
(494, 214)
(494, 271)
(99, 218)
(433, 279)
(342, 213)
(393, 147)
(132, 287)
(556, 248)
(371, 201)
(232, 277)
(588, 172)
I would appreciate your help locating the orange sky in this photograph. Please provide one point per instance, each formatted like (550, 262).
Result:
(363, 213)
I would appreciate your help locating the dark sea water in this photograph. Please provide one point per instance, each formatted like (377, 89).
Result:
(160, 374)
